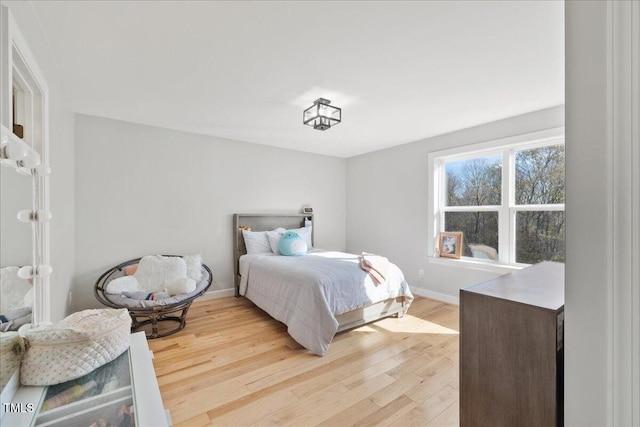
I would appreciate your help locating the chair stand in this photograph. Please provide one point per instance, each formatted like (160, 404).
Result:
(141, 318)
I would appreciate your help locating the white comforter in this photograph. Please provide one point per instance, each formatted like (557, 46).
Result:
(307, 292)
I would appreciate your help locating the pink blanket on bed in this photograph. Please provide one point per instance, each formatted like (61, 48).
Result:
(375, 265)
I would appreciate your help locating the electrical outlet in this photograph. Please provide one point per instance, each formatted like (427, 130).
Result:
(421, 273)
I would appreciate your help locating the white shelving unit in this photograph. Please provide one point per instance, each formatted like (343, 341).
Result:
(137, 390)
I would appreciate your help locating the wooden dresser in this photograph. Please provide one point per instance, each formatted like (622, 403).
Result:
(511, 349)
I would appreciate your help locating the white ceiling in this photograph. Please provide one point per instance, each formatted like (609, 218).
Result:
(401, 71)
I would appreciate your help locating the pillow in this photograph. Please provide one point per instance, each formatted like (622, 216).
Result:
(291, 244)
(274, 239)
(147, 296)
(16, 314)
(16, 292)
(122, 284)
(155, 271)
(194, 266)
(305, 233)
(128, 286)
(256, 242)
(184, 285)
(130, 270)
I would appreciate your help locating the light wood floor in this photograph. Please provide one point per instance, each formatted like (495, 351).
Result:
(233, 365)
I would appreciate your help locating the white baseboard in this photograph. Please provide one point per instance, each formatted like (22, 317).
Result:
(436, 295)
(218, 294)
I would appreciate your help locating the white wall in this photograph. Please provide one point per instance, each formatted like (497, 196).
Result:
(61, 141)
(387, 207)
(602, 292)
(146, 190)
(586, 344)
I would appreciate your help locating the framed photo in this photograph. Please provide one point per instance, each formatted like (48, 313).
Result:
(450, 245)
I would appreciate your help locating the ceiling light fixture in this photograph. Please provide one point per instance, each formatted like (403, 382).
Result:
(321, 115)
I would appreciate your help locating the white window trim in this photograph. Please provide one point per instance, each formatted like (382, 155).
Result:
(506, 212)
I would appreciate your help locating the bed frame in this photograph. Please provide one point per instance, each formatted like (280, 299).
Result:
(268, 221)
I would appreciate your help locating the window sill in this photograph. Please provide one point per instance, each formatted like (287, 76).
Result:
(471, 264)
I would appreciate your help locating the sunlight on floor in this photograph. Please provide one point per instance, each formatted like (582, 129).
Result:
(408, 324)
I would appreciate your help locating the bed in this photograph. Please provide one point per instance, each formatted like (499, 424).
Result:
(318, 294)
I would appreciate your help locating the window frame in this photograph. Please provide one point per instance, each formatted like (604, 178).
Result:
(507, 210)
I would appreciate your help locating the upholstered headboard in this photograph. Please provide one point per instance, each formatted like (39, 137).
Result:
(261, 222)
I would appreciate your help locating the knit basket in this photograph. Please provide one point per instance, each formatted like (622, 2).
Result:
(11, 351)
(75, 346)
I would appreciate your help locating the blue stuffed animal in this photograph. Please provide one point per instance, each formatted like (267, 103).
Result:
(291, 244)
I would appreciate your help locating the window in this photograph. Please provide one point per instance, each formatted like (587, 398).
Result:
(506, 197)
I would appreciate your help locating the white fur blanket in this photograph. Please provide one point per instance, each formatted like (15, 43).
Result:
(16, 292)
(156, 273)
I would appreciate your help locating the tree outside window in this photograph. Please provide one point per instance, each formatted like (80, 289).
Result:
(509, 203)
(539, 182)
